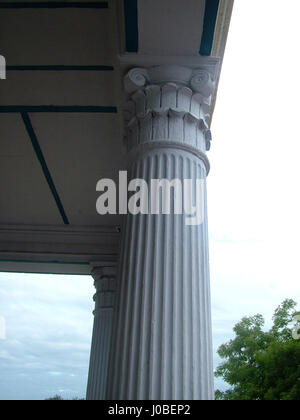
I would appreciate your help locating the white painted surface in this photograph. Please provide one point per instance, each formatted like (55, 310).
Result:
(105, 284)
(162, 346)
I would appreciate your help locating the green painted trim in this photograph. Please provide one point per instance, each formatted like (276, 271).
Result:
(56, 108)
(43, 273)
(209, 26)
(45, 169)
(131, 25)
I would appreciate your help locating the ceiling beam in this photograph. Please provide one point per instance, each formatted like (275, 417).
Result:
(59, 68)
(56, 108)
(56, 249)
(45, 169)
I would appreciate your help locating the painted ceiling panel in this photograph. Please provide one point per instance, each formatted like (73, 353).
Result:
(50, 1)
(56, 36)
(80, 150)
(170, 27)
(58, 88)
(25, 197)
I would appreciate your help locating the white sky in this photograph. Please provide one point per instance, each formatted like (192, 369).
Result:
(253, 188)
(254, 211)
(48, 335)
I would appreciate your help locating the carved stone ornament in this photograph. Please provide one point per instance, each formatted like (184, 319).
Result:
(168, 103)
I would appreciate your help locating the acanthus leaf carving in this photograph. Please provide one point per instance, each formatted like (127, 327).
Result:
(168, 104)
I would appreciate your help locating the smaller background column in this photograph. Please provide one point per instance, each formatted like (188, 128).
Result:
(105, 284)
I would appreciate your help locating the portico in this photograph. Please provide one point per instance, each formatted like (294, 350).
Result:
(119, 85)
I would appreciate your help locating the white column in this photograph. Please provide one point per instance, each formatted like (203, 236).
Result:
(162, 346)
(105, 284)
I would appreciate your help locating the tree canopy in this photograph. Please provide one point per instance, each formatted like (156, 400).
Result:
(263, 365)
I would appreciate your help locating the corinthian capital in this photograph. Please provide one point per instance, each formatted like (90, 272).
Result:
(168, 103)
(105, 284)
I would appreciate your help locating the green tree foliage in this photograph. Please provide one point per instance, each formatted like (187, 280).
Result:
(59, 398)
(55, 398)
(262, 365)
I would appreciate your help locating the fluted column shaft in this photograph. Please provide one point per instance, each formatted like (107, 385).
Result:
(105, 284)
(162, 347)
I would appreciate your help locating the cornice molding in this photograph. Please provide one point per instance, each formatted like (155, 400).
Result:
(129, 61)
(58, 245)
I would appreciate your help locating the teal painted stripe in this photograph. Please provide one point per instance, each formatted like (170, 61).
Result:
(59, 68)
(54, 108)
(209, 26)
(48, 273)
(131, 25)
(40, 156)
